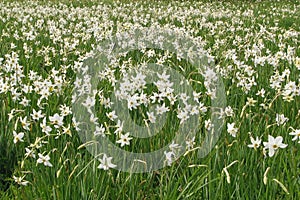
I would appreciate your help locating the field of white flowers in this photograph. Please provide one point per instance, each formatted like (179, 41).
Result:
(150, 100)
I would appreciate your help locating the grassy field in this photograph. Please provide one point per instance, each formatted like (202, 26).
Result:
(47, 54)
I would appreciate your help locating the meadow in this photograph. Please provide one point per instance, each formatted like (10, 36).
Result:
(149, 100)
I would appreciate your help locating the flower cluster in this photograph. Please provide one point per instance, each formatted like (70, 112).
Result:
(44, 46)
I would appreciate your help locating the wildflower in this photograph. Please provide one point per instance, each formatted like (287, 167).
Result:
(296, 134)
(183, 116)
(29, 153)
(99, 131)
(196, 96)
(208, 125)
(119, 127)
(250, 101)
(67, 130)
(11, 114)
(231, 129)
(106, 163)
(75, 124)
(112, 115)
(132, 102)
(24, 123)
(143, 98)
(261, 93)
(20, 180)
(65, 110)
(89, 102)
(254, 143)
(190, 143)
(273, 144)
(173, 147)
(18, 137)
(151, 117)
(25, 102)
(124, 140)
(106, 102)
(194, 110)
(184, 97)
(170, 157)
(56, 120)
(202, 107)
(281, 119)
(45, 129)
(94, 119)
(44, 160)
(162, 109)
(37, 115)
(229, 111)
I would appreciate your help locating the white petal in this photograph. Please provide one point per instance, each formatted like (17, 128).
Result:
(278, 140)
(271, 152)
(283, 146)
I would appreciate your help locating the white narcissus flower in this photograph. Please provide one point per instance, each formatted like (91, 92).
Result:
(45, 129)
(89, 102)
(132, 102)
(190, 143)
(170, 157)
(281, 119)
(112, 115)
(94, 119)
(56, 120)
(273, 144)
(173, 147)
(151, 117)
(229, 111)
(75, 124)
(106, 163)
(29, 153)
(208, 125)
(36, 115)
(231, 129)
(124, 140)
(20, 180)
(254, 143)
(250, 101)
(261, 93)
(296, 134)
(24, 123)
(65, 110)
(161, 109)
(183, 115)
(67, 130)
(100, 130)
(44, 160)
(18, 137)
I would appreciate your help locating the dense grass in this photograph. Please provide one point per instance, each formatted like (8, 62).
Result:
(231, 170)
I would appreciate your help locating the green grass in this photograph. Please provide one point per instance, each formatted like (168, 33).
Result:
(75, 175)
